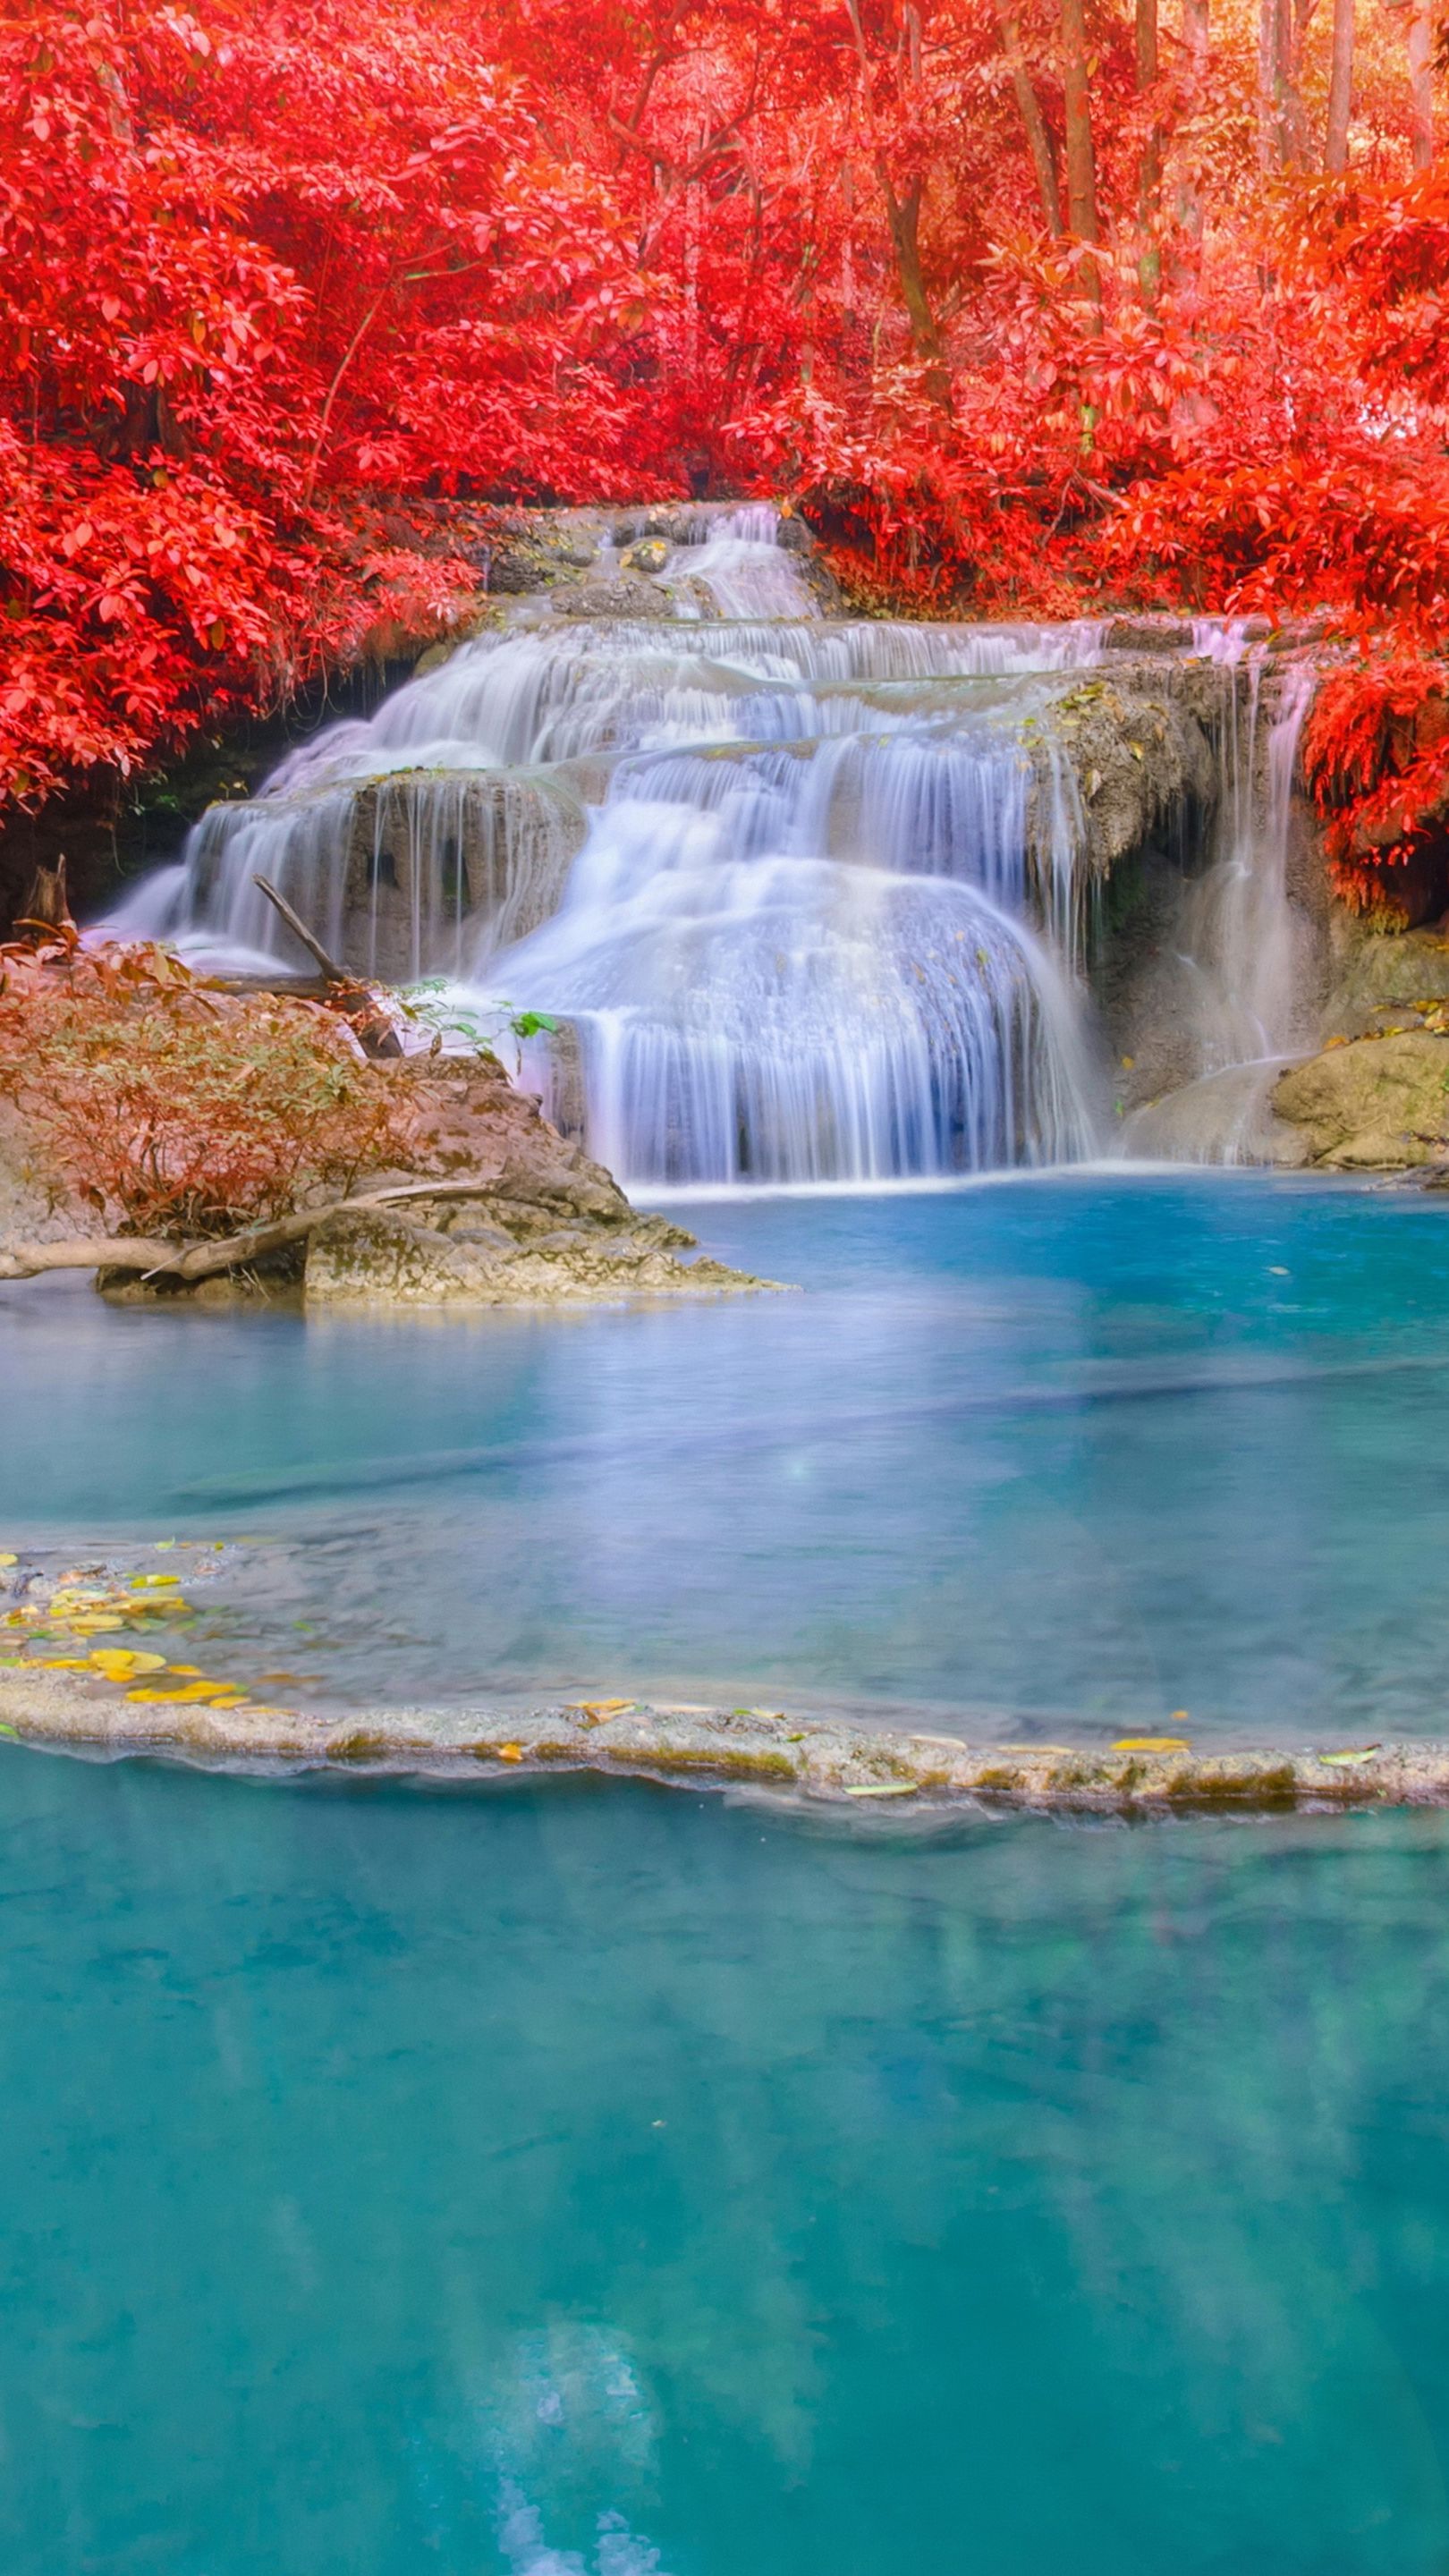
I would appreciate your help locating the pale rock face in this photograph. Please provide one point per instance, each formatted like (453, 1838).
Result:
(386, 1258)
(544, 1225)
(1374, 1104)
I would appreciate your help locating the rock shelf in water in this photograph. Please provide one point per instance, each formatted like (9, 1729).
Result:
(815, 1759)
(88, 1664)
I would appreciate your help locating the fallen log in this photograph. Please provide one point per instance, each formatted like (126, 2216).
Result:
(150, 1259)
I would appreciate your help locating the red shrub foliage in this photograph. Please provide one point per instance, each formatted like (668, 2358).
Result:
(174, 1110)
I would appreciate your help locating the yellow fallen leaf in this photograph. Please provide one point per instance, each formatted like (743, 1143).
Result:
(191, 1672)
(510, 1753)
(190, 1693)
(152, 1582)
(119, 1663)
(1152, 1744)
(1350, 1761)
(600, 1707)
(64, 1664)
(8, 1556)
(883, 1789)
(95, 1623)
(162, 1545)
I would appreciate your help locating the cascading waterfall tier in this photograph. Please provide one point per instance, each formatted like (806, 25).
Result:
(806, 893)
(1245, 948)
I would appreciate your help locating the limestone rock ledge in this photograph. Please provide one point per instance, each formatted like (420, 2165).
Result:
(500, 1252)
(1371, 1104)
(762, 1750)
(526, 1218)
(1129, 743)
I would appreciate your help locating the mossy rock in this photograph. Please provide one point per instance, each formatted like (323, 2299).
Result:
(1372, 1104)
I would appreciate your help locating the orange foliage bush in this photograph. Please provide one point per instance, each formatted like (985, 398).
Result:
(174, 1110)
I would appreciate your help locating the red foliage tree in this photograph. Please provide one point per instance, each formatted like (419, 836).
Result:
(1023, 305)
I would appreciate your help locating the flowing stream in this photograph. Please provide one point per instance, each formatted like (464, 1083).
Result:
(808, 896)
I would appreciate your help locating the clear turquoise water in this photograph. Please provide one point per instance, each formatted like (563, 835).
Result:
(1080, 1451)
(521, 2184)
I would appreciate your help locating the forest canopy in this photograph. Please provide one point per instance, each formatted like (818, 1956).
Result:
(1026, 305)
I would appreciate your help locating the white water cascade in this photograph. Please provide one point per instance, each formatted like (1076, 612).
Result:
(806, 906)
(1244, 944)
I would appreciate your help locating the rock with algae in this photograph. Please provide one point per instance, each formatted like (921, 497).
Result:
(767, 1752)
(493, 1251)
(1374, 1104)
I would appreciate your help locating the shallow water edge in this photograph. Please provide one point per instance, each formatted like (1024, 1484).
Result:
(813, 1760)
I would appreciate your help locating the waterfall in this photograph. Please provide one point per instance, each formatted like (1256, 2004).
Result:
(1241, 929)
(753, 1004)
(1244, 944)
(806, 894)
(783, 876)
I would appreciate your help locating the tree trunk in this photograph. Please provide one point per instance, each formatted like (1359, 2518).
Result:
(1197, 46)
(1282, 130)
(1081, 160)
(1034, 124)
(903, 215)
(1421, 84)
(1149, 176)
(1340, 88)
(903, 218)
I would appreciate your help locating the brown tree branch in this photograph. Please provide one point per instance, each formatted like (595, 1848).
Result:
(151, 1258)
(1034, 124)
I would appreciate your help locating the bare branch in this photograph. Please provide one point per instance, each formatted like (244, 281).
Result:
(152, 1260)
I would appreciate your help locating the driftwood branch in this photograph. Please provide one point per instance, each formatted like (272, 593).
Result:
(375, 1037)
(150, 1259)
(334, 973)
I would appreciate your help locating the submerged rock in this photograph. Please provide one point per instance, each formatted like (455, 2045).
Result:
(1371, 1104)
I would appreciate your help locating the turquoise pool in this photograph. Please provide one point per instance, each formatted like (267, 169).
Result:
(598, 2181)
(1080, 1451)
